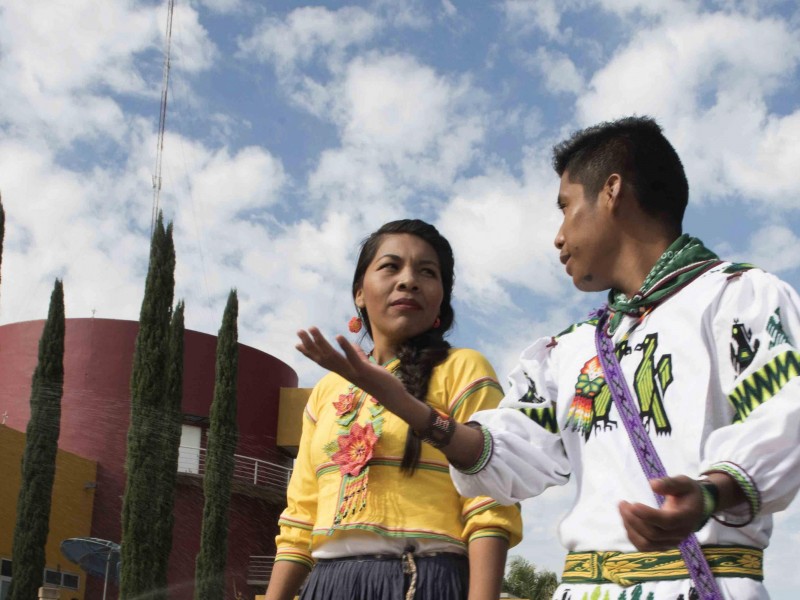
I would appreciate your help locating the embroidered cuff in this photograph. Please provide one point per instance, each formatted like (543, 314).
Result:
(486, 453)
(738, 516)
(296, 556)
(494, 532)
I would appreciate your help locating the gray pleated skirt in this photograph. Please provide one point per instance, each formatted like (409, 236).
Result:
(443, 576)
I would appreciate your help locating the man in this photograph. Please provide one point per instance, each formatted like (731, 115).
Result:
(708, 350)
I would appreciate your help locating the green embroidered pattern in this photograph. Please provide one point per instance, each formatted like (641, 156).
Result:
(775, 330)
(744, 481)
(574, 326)
(738, 268)
(544, 417)
(628, 569)
(651, 381)
(764, 384)
(590, 408)
(743, 347)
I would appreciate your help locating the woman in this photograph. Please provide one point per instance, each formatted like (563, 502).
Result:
(368, 502)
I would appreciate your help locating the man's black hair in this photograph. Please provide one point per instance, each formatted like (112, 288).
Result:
(636, 149)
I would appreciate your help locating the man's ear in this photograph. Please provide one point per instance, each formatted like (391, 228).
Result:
(612, 191)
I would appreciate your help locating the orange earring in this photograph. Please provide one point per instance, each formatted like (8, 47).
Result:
(355, 324)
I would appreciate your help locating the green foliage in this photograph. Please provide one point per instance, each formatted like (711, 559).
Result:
(522, 580)
(147, 462)
(39, 459)
(171, 438)
(222, 438)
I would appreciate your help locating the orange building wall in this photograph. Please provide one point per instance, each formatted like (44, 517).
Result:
(71, 507)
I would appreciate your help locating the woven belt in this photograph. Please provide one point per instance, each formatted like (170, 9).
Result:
(635, 567)
(367, 557)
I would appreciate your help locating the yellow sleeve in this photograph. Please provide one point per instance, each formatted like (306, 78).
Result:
(471, 385)
(483, 517)
(297, 520)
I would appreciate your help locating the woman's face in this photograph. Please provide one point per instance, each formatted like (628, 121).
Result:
(401, 289)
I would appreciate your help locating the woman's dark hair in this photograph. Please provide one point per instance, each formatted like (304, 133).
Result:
(420, 354)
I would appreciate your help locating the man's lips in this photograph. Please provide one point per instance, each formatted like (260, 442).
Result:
(564, 258)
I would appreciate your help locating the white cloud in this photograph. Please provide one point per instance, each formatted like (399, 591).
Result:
(411, 14)
(766, 170)
(711, 93)
(403, 127)
(223, 6)
(773, 248)
(308, 33)
(192, 50)
(62, 63)
(396, 104)
(560, 74)
(649, 8)
(449, 8)
(502, 232)
(61, 224)
(524, 15)
(675, 69)
(226, 186)
(782, 576)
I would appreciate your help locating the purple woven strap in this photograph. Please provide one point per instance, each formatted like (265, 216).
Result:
(653, 468)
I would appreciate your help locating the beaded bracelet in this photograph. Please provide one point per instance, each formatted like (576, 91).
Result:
(710, 493)
(440, 430)
(486, 453)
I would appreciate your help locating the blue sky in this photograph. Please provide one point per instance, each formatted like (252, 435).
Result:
(293, 130)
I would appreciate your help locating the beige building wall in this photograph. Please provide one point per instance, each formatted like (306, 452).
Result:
(290, 418)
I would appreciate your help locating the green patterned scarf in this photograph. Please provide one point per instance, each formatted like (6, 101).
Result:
(685, 259)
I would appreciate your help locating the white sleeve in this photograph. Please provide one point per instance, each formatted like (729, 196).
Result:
(527, 455)
(756, 329)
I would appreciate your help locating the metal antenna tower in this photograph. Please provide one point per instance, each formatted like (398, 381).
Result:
(162, 119)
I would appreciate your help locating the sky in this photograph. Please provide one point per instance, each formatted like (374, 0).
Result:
(293, 130)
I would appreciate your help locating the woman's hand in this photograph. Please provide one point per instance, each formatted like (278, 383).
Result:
(356, 367)
(467, 443)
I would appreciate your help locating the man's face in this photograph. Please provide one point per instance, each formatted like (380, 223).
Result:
(586, 240)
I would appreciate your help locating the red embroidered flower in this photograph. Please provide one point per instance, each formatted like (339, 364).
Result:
(345, 403)
(355, 449)
(354, 325)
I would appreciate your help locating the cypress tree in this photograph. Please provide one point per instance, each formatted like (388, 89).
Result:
(222, 437)
(144, 462)
(172, 439)
(39, 458)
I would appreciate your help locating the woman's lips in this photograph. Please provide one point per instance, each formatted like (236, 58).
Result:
(406, 303)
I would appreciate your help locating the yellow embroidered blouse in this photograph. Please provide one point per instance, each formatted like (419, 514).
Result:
(424, 506)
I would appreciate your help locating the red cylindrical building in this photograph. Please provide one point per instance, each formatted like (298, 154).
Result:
(94, 424)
